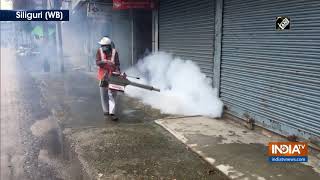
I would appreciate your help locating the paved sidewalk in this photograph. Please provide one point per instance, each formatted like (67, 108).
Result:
(238, 152)
(132, 148)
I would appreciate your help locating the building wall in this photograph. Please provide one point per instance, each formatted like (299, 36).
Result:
(7, 34)
(268, 75)
(264, 75)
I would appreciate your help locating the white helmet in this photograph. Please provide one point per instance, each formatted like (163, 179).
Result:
(105, 41)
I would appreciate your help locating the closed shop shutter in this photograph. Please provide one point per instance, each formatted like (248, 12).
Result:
(186, 29)
(268, 75)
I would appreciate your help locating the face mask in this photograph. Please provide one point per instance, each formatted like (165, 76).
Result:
(106, 49)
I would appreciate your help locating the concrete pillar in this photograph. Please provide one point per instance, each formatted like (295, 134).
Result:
(217, 45)
(57, 5)
(155, 30)
(132, 36)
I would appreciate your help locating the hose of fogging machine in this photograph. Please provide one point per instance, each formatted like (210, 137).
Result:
(144, 86)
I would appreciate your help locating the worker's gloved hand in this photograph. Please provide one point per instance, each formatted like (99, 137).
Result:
(109, 63)
(124, 75)
(116, 73)
(100, 63)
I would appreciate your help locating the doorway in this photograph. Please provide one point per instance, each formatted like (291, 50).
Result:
(142, 33)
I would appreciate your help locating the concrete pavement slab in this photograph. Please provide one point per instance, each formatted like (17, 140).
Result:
(238, 152)
(136, 152)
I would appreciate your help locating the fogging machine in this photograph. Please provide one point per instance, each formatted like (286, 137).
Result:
(118, 82)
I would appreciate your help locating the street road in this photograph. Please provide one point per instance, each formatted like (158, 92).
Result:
(29, 138)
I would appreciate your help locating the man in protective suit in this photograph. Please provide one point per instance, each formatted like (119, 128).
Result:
(107, 60)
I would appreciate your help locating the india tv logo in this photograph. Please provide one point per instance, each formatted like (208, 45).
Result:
(288, 152)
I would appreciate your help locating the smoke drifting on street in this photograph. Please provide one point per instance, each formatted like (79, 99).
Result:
(184, 89)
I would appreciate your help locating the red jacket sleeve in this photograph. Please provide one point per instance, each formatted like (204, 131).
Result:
(98, 58)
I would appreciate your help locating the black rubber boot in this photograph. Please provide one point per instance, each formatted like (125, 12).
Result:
(106, 116)
(113, 117)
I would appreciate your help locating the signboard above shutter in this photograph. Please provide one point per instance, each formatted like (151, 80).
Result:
(99, 10)
(134, 4)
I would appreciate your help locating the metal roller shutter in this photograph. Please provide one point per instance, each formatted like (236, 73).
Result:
(268, 75)
(186, 29)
